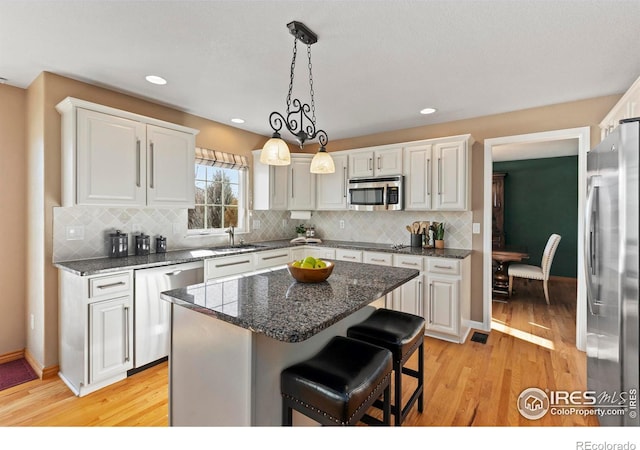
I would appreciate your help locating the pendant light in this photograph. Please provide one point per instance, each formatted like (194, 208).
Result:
(297, 120)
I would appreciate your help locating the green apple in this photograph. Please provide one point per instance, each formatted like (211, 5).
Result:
(306, 265)
(320, 264)
(296, 264)
(309, 260)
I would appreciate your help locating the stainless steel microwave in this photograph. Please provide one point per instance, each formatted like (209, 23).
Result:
(376, 194)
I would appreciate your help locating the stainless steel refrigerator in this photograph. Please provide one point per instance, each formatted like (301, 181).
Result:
(611, 263)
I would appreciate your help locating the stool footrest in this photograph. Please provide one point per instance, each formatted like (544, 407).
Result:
(411, 372)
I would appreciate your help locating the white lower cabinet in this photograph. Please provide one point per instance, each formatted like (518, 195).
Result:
(226, 266)
(348, 255)
(441, 305)
(272, 258)
(110, 338)
(96, 329)
(441, 294)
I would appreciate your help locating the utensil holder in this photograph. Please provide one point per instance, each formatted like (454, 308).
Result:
(416, 240)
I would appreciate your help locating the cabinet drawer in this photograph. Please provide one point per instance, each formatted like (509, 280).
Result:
(227, 265)
(443, 266)
(412, 262)
(348, 255)
(110, 284)
(381, 259)
(272, 258)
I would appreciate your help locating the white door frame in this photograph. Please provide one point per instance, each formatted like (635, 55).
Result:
(583, 135)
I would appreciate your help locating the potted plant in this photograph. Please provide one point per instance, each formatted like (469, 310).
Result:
(439, 235)
(301, 230)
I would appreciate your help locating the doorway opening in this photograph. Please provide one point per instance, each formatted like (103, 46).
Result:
(523, 143)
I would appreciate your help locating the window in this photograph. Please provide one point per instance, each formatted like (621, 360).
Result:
(220, 193)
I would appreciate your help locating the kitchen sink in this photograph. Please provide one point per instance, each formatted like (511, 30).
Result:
(236, 248)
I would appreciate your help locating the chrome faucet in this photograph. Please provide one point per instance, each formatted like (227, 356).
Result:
(231, 236)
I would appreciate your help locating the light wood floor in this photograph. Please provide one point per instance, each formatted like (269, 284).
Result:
(530, 345)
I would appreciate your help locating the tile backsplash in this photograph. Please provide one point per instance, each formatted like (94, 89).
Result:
(81, 232)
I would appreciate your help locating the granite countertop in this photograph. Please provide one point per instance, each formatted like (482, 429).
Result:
(273, 303)
(95, 266)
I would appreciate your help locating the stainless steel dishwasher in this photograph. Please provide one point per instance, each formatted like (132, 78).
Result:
(151, 314)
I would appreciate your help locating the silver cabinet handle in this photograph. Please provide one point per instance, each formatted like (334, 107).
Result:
(420, 298)
(379, 158)
(233, 263)
(151, 182)
(430, 302)
(439, 176)
(443, 267)
(344, 179)
(349, 257)
(409, 263)
(370, 165)
(429, 176)
(266, 258)
(127, 356)
(138, 162)
(377, 259)
(174, 273)
(109, 286)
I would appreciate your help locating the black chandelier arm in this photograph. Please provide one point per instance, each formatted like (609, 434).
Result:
(276, 121)
(323, 139)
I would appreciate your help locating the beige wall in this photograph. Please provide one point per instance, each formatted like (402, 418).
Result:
(44, 138)
(13, 201)
(554, 117)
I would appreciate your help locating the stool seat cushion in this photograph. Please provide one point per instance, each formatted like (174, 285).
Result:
(339, 378)
(397, 331)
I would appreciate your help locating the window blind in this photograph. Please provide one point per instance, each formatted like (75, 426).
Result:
(217, 158)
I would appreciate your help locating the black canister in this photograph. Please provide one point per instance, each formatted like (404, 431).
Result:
(143, 244)
(161, 244)
(118, 244)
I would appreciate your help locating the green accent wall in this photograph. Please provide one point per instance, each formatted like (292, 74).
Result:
(541, 198)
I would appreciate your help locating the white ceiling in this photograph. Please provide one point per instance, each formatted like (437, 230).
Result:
(376, 64)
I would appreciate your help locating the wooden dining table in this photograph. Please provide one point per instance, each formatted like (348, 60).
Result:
(503, 256)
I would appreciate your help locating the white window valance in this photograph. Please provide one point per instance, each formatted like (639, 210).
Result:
(217, 158)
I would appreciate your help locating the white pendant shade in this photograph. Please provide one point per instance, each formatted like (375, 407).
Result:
(322, 162)
(275, 153)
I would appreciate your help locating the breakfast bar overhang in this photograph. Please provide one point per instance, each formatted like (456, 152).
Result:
(230, 339)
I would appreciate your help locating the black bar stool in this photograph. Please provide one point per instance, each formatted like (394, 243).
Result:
(339, 384)
(402, 334)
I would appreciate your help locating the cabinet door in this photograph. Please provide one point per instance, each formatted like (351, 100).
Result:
(110, 338)
(348, 255)
(331, 188)
(408, 297)
(388, 162)
(272, 258)
(361, 164)
(170, 167)
(270, 185)
(110, 160)
(450, 176)
(321, 252)
(441, 306)
(418, 177)
(302, 193)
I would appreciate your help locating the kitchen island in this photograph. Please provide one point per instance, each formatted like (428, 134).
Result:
(231, 339)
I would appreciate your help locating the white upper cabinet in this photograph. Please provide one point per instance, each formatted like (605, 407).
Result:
(302, 183)
(437, 174)
(627, 107)
(170, 167)
(331, 188)
(291, 187)
(270, 185)
(110, 160)
(375, 162)
(116, 158)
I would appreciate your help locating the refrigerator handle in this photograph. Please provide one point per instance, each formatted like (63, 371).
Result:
(589, 247)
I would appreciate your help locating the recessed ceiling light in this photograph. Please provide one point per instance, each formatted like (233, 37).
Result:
(237, 120)
(155, 79)
(428, 111)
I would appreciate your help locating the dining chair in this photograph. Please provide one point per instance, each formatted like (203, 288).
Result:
(536, 272)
